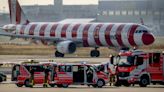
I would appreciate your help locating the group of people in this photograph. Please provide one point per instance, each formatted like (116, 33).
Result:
(46, 71)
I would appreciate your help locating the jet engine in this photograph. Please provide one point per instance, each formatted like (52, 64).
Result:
(66, 47)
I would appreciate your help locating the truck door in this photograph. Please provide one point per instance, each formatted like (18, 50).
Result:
(15, 72)
(65, 74)
(78, 74)
(38, 74)
(155, 66)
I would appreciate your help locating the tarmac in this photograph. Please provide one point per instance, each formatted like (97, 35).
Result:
(79, 88)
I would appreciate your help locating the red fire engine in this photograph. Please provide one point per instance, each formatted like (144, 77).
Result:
(137, 67)
(61, 75)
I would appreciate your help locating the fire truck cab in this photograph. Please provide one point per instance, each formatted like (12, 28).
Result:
(137, 67)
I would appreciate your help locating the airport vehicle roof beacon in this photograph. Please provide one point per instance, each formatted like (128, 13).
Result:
(68, 36)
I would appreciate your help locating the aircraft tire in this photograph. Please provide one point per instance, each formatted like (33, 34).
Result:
(58, 54)
(95, 53)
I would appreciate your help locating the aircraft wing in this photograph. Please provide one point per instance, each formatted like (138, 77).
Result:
(37, 37)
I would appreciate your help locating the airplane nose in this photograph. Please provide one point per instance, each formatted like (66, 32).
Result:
(148, 38)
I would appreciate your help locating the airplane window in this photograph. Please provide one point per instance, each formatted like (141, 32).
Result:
(145, 31)
(141, 31)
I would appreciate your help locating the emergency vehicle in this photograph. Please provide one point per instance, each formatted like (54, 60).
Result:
(62, 75)
(79, 74)
(21, 74)
(137, 67)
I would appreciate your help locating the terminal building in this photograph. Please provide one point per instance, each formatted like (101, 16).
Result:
(151, 11)
(58, 11)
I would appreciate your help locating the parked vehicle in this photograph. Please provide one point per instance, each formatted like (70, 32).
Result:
(137, 67)
(62, 75)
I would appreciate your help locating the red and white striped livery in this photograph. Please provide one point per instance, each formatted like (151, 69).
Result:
(68, 36)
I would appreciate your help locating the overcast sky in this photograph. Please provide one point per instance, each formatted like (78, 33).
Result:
(3, 3)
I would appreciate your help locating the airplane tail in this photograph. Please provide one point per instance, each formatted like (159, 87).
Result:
(17, 16)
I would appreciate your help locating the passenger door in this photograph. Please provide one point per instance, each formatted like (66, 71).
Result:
(15, 72)
(65, 74)
(39, 74)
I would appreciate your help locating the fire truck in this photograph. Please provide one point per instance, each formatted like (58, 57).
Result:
(137, 67)
(61, 75)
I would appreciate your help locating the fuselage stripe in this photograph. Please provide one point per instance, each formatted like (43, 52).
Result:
(107, 35)
(63, 31)
(53, 29)
(32, 28)
(96, 34)
(118, 35)
(42, 29)
(131, 35)
(74, 30)
(85, 35)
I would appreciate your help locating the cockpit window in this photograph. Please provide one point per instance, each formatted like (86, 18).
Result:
(141, 31)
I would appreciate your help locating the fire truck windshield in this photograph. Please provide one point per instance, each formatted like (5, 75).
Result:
(126, 61)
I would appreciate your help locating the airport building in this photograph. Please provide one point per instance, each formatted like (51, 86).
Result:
(151, 11)
(58, 11)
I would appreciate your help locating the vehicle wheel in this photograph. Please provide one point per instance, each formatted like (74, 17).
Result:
(27, 83)
(19, 85)
(126, 84)
(95, 53)
(94, 85)
(100, 83)
(52, 85)
(65, 85)
(117, 84)
(58, 54)
(59, 85)
(1, 79)
(144, 81)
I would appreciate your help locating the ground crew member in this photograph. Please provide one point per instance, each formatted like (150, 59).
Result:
(32, 77)
(46, 72)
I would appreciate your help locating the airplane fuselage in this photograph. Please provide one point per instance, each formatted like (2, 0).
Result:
(90, 34)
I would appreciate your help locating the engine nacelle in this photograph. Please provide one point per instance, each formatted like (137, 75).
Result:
(66, 47)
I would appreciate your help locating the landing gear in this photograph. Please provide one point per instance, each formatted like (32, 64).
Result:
(95, 53)
(58, 54)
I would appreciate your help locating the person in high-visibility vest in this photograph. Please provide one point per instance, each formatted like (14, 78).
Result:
(46, 72)
(32, 77)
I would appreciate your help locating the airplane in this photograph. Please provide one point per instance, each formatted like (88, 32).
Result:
(66, 37)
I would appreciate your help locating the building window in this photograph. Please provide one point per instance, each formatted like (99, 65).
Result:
(117, 12)
(130, 12)
(149, 13)
(104, 13)
(136, 13)
(143, 12)
(162, 13)
(156, 13)
(124, 13)
(111, 13)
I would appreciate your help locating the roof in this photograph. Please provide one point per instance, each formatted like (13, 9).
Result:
(80, 20)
